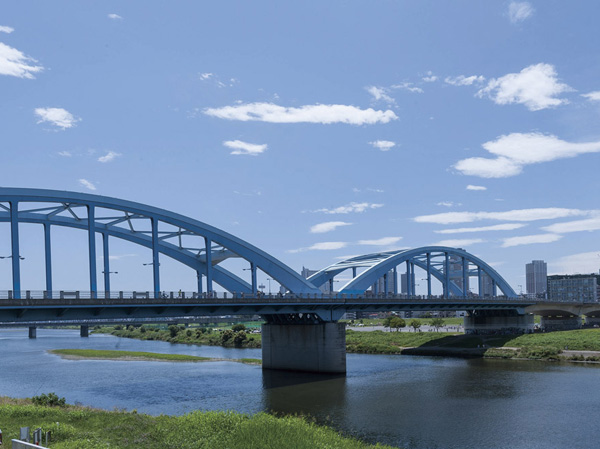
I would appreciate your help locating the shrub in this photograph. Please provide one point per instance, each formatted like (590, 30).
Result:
(142, 329)
(227, 335)
(188, 332)
(49, 400)
(173, 330)
(239, 338)
(238, 327)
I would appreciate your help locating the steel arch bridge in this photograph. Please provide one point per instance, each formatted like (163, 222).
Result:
(188, 241)
(453, 267)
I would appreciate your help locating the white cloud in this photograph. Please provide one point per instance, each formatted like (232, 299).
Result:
(115, 17)
(448, 204)
(472, 187)
(5, 29)
(350, 208)
(380, 94)
(327, 226)
(64, 154)
(318, 113)
(15, 63)
(530, 239)
(384, 241)
(591, 224)
(430, 77)
(458, 243)
(462, 80)
(548, 213)
(409, 87)
(516, 150)
(519, 11)
(88, 185)
(321, 246)
(56, 116)
(592, 96)
(535, 86)
(383, 145)
(108, 157)
(239, 147)
(577, 263)
(205, 76)
(500, 227)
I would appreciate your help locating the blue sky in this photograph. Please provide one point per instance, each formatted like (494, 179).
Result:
(313, 130)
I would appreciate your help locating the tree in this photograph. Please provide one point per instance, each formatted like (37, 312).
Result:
(415, 324)
(437, 323)
(173, 330)
(239, 338)
(238, 327)
(397, 323)
(387, 321)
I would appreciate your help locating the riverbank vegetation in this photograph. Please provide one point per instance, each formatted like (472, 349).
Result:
(101, 354)
(74, 427)
(538, 346)
(238, 336)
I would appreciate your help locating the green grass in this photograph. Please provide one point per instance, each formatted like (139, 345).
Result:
(77, 427)
(379, 342)
(115, 355)
(578, 340)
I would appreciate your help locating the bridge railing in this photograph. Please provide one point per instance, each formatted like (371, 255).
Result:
(171, 295)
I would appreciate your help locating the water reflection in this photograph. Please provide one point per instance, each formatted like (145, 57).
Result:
(317, 395)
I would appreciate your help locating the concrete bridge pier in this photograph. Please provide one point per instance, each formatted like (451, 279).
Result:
(560, 322)
(506, 320)
(32, 332)
(308, 347)
(84, 331)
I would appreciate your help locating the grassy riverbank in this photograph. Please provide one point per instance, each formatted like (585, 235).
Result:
(100, 354)
(565, 345)
(192, 335)
(545, 346)
(75, 427)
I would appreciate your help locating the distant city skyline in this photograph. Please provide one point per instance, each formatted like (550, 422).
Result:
(315, 131)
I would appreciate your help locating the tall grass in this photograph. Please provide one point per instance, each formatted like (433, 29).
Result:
(77, 427)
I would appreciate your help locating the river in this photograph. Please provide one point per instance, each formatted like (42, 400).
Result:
(411, 402)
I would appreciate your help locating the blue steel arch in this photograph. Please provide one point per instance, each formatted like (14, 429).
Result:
(63, 210)
(379, 264)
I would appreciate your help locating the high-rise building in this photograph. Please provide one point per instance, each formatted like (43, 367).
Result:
(574, 287)
(536, 274)
(403, 284)
(306, 273)
(380, 284)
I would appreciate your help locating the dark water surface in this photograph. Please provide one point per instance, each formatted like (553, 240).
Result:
(412, 402)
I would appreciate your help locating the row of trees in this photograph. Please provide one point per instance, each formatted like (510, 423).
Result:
(395, 322)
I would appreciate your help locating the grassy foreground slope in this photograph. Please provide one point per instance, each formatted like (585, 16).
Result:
(75, 427)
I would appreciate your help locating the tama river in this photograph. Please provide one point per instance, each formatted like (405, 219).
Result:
(404, 401)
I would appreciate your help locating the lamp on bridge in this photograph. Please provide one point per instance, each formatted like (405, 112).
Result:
(10, 257)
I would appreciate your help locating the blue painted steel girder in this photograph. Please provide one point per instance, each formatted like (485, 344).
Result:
(381, 263)
(271, 266)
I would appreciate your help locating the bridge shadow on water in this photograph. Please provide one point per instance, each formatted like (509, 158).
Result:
(310, 394)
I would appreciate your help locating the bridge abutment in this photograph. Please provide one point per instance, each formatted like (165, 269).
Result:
(84, 331)
(491, 321)
(317, 348)
(32, 332)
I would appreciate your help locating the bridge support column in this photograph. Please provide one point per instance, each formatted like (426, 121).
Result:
(493, 321)
(560, 323)
(33, 332)
(317, 348)
(84, 331)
